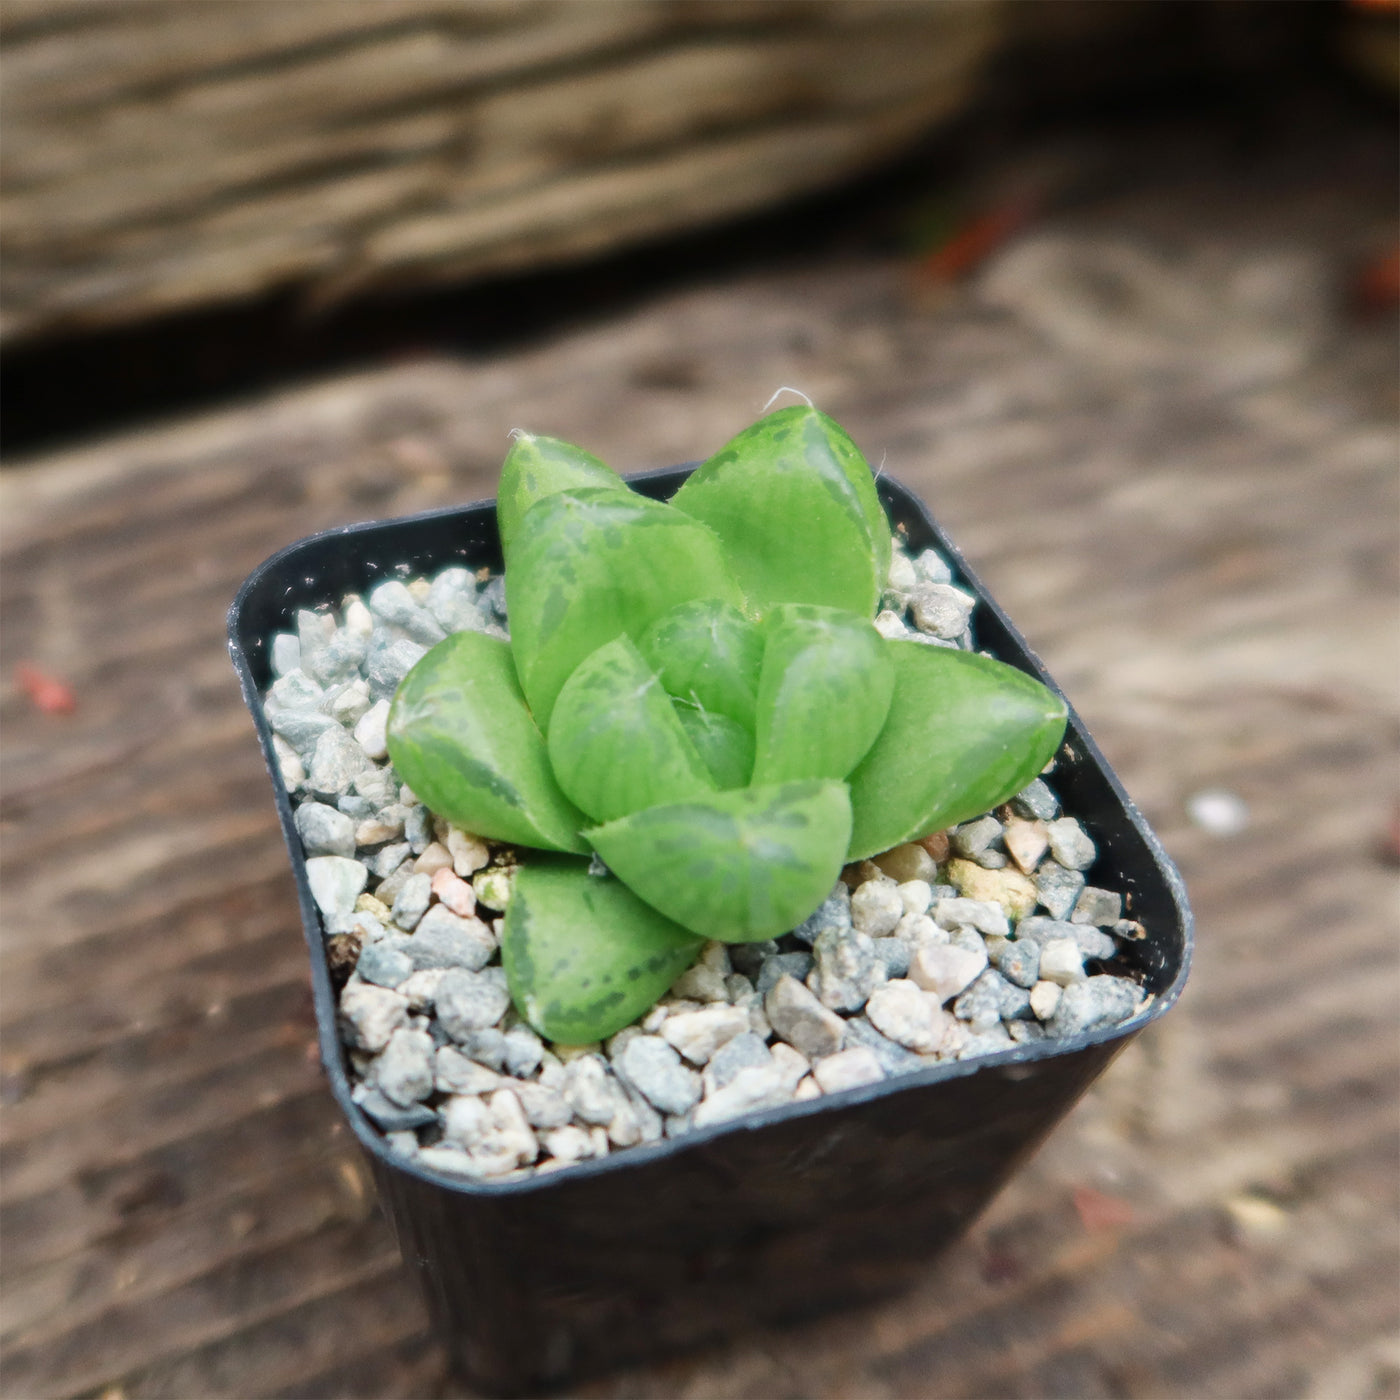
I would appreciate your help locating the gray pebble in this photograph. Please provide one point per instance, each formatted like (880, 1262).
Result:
(1096, 906)
(986, 1042)
(452, 601)
(743, 1052)
(990, 859)
(335, 762)
(990, 998)
(336, 883)
(1070, 844)
(324, 831)
(403, 1072)
(748, 958)
(1035, 800)
(488, 1047)
(1019, 962)
(457, 1073)
(445, 939)
(847, 970)
(544, 1107)
(418, 829)
(388, 662)
(654, 1069)
(384, 963)
(294, 692)
(985, 915)
(941, 609)
(348, 703)
(778, 965)
(1094, 1003)
(392, 602)
(893, 1058)
(387, 859)
(302, 728)
(801, 1020)
(471, 1001)
(339, 660)
(357, 809)
(492, 598)
(833, 912)
(893, 953)
(932, 567)
(392, 1118)
(591, 1091)
(412, 900)
(1058, 888)
(369, 1015)
(391, 886)
(380, 785)
(522, 1051)
(972, 838)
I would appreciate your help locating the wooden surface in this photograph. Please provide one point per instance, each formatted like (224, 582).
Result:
(1207, 566)
(162, 156)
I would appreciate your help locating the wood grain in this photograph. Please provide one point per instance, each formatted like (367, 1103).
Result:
(1210, 570)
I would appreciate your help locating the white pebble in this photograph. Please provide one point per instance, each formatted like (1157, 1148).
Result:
(370, 731)
(1045, 997)
(1061, 961)
(876, 907)
(848, 1070)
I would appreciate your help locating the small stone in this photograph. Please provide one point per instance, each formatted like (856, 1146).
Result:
(471, 1001)
(390, 1117)
(932, 567)
(388, 661)
(972, 838)
(1057, 888)
(394, 603)
(876, 907)
(698, 1034)
(847, 970)
(418, 827)
(914, 929)
(743, 1052)
(324, 831)
(1045, 997)
(1061, 961)
(904, 1013)
(833, 912)
(289, 766)
(1094, 1003)
(1026, 843)
(544, 1107)
(434, 861)
(981, 1004)
(738, 989)
(342, 954)
(403, 1073)
(1070, 844)
(455, 893)
(456, 1073)
(808, 1088)
(903, 575)
(1035, 801)
(1018, 962)
(374, 830)
(945, 971)
(335, 882)
(792, 1064)
(487, 1047)
(494, 1133)
(384, 965)
(335, 762)
(916, 896)
(452, 601)
(1096, 906)
(941, 609)
(369, 1015)
(751, 1090)
(492, 597)
(469, 853)
(379, 785)
(492, 888)
(749, 958)
(700, 983)
(968, 938)
(1013, 891)
(778, 965)
(890, 625)
(801, 1020)
(591, 1091)
(1025, 1032)
(893, 1058)
(386, 861)
(910, 862)
(982, 914)
(523, 1051)
(893, 953)
(286, 654)
(1129, 929)
(452, 1161)
(986, 1042)
(990, 859)
(654, 1069)
(444, 939)
(348, 706)
(339, 660)
(412, 901)
(568, 1144)
(403, 1144)
(848, 1069)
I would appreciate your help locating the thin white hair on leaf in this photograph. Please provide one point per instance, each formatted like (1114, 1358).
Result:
(787, 389)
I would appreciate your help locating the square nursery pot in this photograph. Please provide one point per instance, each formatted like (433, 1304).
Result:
(773, 1216)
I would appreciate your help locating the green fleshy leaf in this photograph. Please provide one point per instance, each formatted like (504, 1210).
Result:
(795, 506)
(823, 695)
(725, 746)
(964, 734)
(583, 955)
(615, 742)
(536, 467)
(461, 737)
(708, 653)
(739, 866)
(592, 564)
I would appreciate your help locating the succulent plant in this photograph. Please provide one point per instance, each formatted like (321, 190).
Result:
(694, 716)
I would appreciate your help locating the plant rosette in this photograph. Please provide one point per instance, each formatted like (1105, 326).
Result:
(703, 807)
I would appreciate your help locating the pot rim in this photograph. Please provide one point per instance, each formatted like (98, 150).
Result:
(333, 1056)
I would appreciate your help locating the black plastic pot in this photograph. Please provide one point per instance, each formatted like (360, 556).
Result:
(792, 1210)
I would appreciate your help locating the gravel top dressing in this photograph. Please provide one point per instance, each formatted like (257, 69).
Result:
(965, 943)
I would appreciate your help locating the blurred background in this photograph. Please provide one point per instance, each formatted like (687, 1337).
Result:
(1113, 286)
